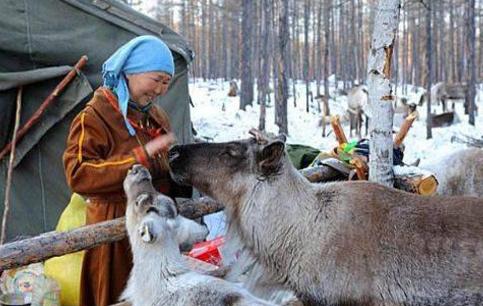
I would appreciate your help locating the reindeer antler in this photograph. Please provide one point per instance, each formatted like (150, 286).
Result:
(259, 137)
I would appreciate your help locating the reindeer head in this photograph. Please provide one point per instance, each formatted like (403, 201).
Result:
(226, 171)
(144, 201)
(161, 221)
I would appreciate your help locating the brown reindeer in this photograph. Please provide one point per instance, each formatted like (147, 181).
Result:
(441, 92)
(345, 243)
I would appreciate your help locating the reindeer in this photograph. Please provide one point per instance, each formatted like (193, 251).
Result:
(233, 89)
(357, 105)
(458, 173)
(159, 275)
(343, 243)
(441, 92)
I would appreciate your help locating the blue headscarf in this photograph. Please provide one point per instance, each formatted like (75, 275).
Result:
(142, 54)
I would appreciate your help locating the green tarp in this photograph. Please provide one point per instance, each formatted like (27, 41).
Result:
(39, 41)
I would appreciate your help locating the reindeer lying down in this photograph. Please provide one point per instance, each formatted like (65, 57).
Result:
(159, 275)
(346, 243)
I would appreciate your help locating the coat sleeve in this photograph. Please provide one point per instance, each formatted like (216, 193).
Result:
(87, 167)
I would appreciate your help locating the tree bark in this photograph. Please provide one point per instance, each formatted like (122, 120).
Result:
(306, 53)
(429, 47)
(264, 71)
(281, 101)
(380, 92)
(246, 94)
(470, 40)
(326, 111)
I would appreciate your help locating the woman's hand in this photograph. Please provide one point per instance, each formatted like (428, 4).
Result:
(159, 144)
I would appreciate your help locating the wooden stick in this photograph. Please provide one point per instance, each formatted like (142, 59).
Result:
(403, 131)
(36, 116)
(361, 167)
(337, 128)
(10, 167)
(51, 244)
(320, 174)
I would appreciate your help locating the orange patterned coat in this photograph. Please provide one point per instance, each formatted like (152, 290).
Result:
(98, 155)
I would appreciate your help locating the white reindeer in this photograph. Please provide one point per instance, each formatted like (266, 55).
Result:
(160, 276)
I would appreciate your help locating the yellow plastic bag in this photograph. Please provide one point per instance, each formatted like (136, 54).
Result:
(66, 270)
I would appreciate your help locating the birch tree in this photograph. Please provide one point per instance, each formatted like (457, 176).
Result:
(380, 92)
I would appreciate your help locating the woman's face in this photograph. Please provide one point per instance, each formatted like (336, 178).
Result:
(145, 87)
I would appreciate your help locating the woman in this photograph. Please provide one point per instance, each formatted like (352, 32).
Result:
(119, 127)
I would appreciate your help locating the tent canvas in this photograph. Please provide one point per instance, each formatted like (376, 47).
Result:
(37, 39)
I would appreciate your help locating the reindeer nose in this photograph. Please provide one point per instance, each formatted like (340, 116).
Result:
(135, 169)
(173, 153)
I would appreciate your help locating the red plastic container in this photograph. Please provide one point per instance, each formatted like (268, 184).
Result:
(208, 251)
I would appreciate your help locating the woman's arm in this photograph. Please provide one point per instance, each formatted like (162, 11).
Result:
(87, 167)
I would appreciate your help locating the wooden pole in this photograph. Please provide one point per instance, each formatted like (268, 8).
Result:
(403, 131)
(51, 244)
(338, 131)
(10, 167)
(36, 116)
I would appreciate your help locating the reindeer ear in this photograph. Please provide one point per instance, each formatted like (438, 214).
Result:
(146, 231)
(270, 156)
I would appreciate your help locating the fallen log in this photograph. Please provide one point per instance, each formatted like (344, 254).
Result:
(320, 174)
(51, 244)
(415, 180)
(442, 120)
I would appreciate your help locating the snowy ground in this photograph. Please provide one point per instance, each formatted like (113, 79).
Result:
(216, 117)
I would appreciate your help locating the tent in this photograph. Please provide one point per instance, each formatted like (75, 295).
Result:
(39, 42)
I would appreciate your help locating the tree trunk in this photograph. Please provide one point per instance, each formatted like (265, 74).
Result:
(246, 94)
(281, 102)
(471, 38)
(318, 47)
(294, 52)
(326, 111)
(429, 47)
(380, 92)
(204, 38)
(451, 43)
(306, 53)
(264, 72)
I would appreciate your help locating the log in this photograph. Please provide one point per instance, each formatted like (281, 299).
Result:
(320, 174)
(424, 184)
(196, 208)
(442, 120)
(51, 244)
(414, 180)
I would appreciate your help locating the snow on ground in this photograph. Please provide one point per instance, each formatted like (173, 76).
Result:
(217, 117)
